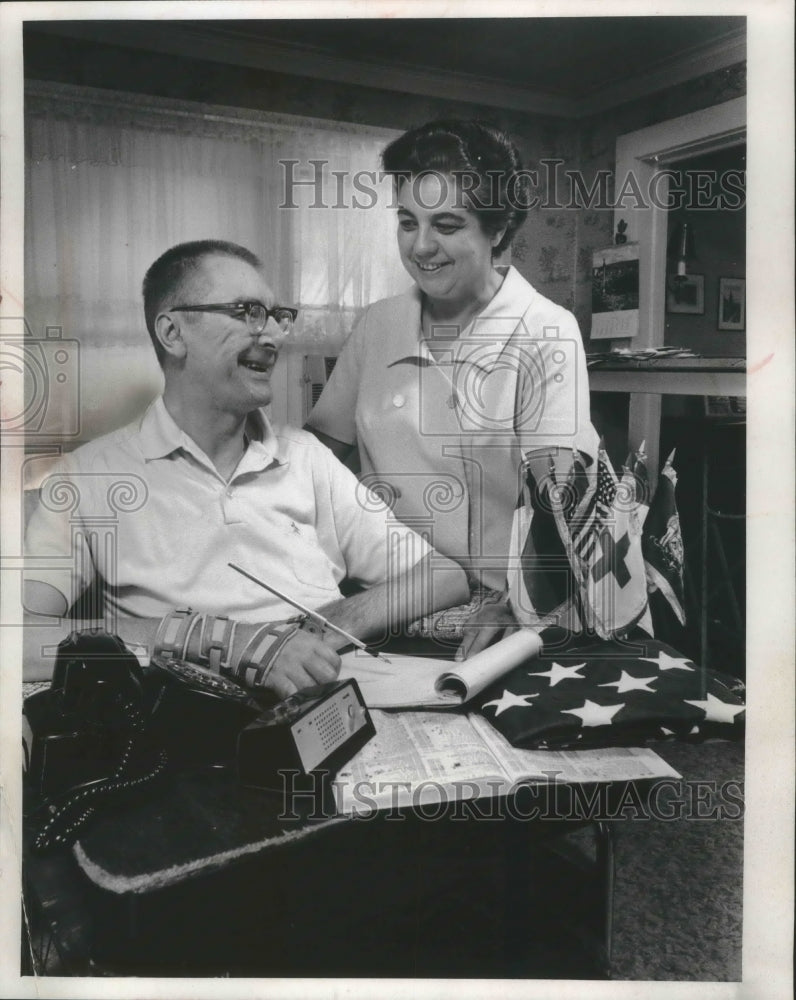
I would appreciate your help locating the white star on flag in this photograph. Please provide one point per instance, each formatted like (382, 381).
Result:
(627, 682)
(558, 673)
(665, 662)
(716, 710)
(592, 714)
(508, 700)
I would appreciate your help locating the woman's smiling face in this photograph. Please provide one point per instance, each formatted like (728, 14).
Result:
(441, 242)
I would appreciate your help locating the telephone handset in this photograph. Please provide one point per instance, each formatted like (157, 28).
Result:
(81, 737)
(107, 725)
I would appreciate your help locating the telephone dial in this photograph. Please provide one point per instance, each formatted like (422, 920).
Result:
(107, 725)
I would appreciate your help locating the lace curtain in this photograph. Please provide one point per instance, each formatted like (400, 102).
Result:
(113, 180)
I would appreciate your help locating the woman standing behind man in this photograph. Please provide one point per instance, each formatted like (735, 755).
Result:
(454, 389)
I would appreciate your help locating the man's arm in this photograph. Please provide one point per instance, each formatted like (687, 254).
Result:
(40, 638)
(434, 583)
(303, 661)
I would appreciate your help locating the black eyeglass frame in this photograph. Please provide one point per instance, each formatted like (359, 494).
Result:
(236, 308)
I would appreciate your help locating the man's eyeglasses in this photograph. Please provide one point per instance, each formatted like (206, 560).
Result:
(256, 313)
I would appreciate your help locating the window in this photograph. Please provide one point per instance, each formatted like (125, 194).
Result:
(113, 180)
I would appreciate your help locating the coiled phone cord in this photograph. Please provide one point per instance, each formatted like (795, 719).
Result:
(67, 820)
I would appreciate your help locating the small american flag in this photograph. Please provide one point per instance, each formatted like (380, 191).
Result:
(600, 506)
(597, 519)
(579, 539)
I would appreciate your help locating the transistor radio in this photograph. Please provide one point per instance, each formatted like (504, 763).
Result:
(314, 731)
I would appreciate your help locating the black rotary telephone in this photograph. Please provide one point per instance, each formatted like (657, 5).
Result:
(107, 725)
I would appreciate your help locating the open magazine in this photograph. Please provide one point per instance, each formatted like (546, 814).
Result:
(425, 682)
(419, 758)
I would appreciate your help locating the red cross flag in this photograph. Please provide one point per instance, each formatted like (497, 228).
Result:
(581, 564)
(600, 519)
(615, 593)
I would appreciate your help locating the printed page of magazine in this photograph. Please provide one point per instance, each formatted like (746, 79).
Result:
(419, 758)
(575, 766)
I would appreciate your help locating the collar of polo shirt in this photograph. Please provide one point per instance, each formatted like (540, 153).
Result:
(483, 341)
(160, 435)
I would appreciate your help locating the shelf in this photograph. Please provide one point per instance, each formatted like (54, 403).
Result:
(672, 376)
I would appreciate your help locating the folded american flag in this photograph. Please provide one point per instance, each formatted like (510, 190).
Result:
(615, 693)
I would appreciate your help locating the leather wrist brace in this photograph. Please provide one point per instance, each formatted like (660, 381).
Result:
(209, 641)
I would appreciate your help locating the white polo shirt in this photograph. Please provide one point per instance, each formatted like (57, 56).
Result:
(444, 437)
(145, 509)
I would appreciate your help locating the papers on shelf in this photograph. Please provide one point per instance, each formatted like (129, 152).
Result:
(643, 354)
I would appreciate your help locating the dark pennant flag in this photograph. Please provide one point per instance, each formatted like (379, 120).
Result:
(662, 543)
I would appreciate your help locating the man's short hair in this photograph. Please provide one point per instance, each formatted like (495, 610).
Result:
(166, 276)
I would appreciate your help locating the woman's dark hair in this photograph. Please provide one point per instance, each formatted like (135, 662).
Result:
(483, 158)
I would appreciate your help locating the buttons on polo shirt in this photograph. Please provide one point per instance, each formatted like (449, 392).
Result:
(398, 400)
(230, 505)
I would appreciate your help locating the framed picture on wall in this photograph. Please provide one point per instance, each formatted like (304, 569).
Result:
(686, 295)
(732, 303)
(614, 292)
